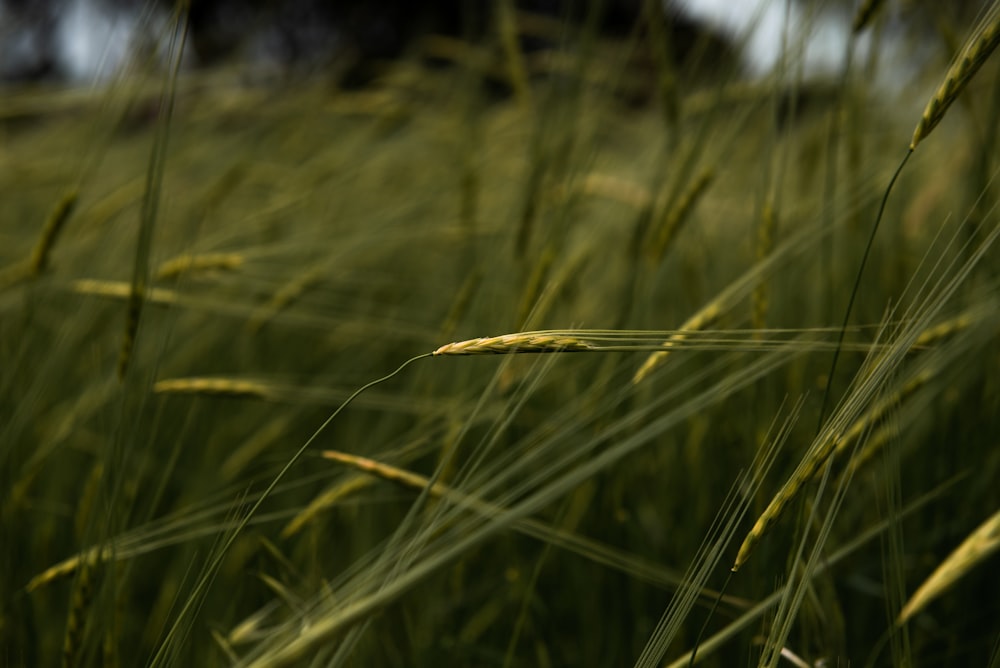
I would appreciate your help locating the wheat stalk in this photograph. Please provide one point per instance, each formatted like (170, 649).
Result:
(229, 387)
(708, 314)
(874, 443)
(151, 202)
(534, 285)
(121, 290)
(133, 311)
(804, 473)
(76, 619)
(50, 232)
(325, 500)
(869, 383)
(35, 263)
(386, 472)
(830, 445)
(615, 188)
(86, 499)
(945, 329)
(703, 318)
(976, 52)
(548, 295)
(765, 242)
(864, 425)
(287, 294)
(199, 262)
(256, 443)
(225, 647)
(69, 566)
(249, 629)
(679, 214)
(521, 342)
(979, 545)
(619, 341)
(589, 549)
(460, 303)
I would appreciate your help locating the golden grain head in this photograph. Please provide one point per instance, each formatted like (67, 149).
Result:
(122, 290)
(229, 387)
(521, 342)
(979, 545)
(652, 362)
(807, 469)
(199, 262)
(760, 527)
(777, 505)
(934, 334)
(327, 499)
(958, 76)
(703, 318)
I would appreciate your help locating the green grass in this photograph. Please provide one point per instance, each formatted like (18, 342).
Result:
(574, 508)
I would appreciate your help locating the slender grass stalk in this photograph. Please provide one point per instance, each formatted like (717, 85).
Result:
(151, 198)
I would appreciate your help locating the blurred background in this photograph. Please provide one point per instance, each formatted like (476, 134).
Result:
(84, 40)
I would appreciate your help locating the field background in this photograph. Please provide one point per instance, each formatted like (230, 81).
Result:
(196, 271)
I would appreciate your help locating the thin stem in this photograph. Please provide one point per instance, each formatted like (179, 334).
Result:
(854, 291)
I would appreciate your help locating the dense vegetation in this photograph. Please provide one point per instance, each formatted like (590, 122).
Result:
(198, 269)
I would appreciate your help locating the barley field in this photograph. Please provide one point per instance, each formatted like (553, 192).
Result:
(598, 353)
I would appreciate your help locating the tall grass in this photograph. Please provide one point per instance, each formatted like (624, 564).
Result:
(232, 498)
